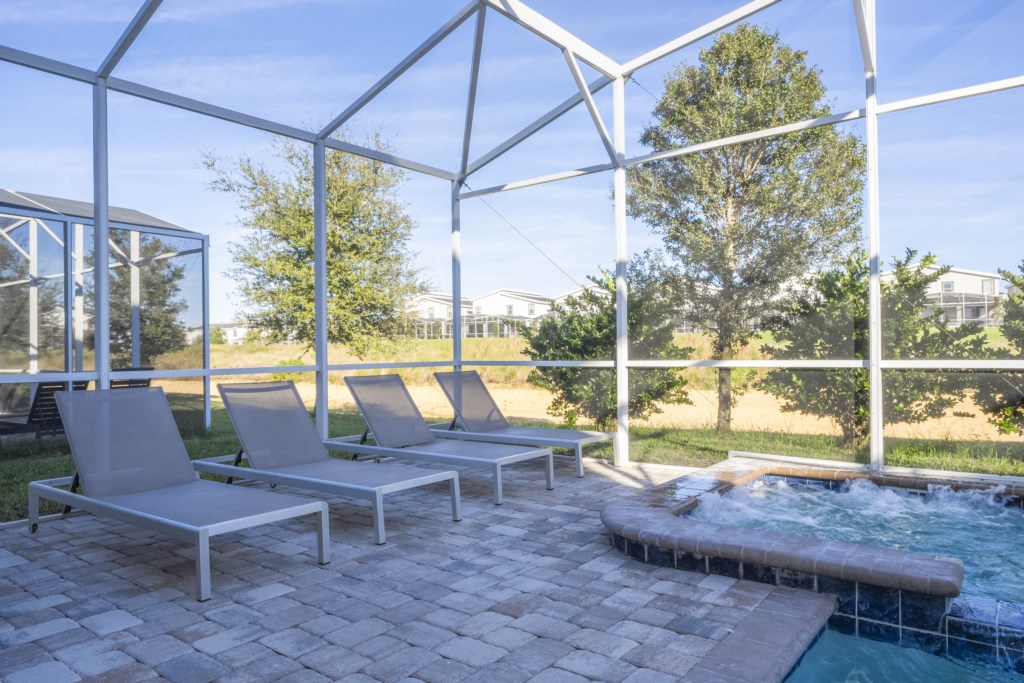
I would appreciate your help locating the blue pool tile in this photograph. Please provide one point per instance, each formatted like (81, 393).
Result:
(1011, 615)
(971, 651)
(844, 591)
(759, 573)
(921, 611)
(660, 556)
(794, 579)
(724, 566)
(975, 608)
(691, 562)
(1014, 659)
(619, 543)
(843, 624)
(1011, 638)
(886, 633)
(972, 630)
(932, 643)
(637, 551)
(878, 603)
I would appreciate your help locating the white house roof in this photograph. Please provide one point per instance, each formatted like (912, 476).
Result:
(75, 209)
(513, 294)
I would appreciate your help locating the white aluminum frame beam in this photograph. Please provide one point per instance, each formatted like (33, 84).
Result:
(403, 66)
(556, 113)
(865, 12)
(456, 207)
(588, 99)
(620, 455)
(474, 79)
(101, 234)
(135, 292)
(529, 182)
(138, 23)
(46, 65)
(952, 95)
(696, 35)
(33, 296)
(145, 92)
(537, 23)
(320, 285)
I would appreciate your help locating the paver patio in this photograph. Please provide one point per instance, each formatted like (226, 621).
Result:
(531, 590)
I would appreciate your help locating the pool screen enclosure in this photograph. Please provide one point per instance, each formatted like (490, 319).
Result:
(592, 71)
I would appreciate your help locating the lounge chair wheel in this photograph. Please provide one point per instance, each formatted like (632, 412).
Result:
(33, 528)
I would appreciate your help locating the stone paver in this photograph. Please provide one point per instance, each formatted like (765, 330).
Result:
(529, 591)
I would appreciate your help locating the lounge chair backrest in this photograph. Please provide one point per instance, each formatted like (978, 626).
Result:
(43, 411)
(473, 404)
(272, 424)
(389, 410)
(131, 383)
(124, 441)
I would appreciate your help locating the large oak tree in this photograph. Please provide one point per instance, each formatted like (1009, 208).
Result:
(370, 267)
(742, 221)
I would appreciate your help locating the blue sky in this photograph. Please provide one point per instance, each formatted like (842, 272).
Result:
(951, 174)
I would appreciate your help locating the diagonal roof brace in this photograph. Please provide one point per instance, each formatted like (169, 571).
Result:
(697, 34)
(555, 34)
(577, 75)
(403, 66)
(474, 77)
(540, 123)
(865, 18)
(128, 37)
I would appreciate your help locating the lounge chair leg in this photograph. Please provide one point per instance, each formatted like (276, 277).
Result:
(456, 498)
(323, 535)
(579, 460)
(33, 511)
(549, 471)
(379, 536)
(203, 565)
(497, 485)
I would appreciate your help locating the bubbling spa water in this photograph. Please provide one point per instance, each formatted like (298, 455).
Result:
(974, 526)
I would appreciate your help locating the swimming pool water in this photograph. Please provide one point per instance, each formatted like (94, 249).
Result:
(973, 526)
(838, 658)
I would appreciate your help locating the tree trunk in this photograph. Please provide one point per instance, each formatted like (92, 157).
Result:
(724, 399)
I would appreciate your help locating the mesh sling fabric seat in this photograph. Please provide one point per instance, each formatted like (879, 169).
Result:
(480, 417)
(282, 447)
(401, 432)
(134, 468)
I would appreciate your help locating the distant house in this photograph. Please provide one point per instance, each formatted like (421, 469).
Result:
(501, 313)
(432, 313)
(576, 293)
(513, 304)
(968, 296)
(234, 333)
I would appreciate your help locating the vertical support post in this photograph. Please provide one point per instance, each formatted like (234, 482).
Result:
(101, 232)
(207, 413)
(69, 297)
(79, 302)
(33, 296)
(865, 11)
(320, 283)
(621, 454)
(456, 276)
(134, 254)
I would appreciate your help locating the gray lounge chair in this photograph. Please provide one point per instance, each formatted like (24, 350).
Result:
(134, 468)
(400, 432)
(282, 447)
(42, 417)
(478, 414)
